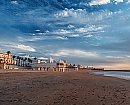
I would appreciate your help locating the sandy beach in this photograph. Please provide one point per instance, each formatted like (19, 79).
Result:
(62, 88)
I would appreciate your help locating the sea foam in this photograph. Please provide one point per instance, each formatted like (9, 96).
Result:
(117, 74)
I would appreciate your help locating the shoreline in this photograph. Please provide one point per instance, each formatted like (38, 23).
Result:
(62, 88)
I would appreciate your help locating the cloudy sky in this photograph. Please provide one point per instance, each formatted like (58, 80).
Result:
(88, 32)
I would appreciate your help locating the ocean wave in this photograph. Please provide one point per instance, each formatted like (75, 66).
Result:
(116, 74)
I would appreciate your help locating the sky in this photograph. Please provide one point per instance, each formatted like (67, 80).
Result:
(88, 32)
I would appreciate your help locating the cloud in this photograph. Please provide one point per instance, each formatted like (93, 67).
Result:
(61, 31)
(14, 2)
(117, 1)
(128, 1)
(69, 13)
(74, 52)
(40, 38)
(70, 26)
(114, 57)
(99, 2)
(77, 17)
(88, 36)
(62, 38)
(24, 47)
(90, 28)
(15, 47)
(30, 38)
(74, 35)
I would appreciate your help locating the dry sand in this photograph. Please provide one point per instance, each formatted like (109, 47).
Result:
(58, 88)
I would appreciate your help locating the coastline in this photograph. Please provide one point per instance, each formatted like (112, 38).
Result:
(62, 88)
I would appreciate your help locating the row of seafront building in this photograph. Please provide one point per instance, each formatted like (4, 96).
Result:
(8, 61)
(52, 65)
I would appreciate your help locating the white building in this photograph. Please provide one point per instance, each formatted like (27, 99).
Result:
(44, 64)
(51, 65)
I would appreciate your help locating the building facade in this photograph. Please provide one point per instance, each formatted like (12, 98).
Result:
(5, 59)
(61, 66)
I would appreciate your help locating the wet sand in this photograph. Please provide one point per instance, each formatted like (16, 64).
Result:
(58, 88)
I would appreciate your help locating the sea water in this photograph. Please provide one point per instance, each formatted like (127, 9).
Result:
(117, 74)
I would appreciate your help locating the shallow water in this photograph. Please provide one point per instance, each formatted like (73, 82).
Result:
(117, 74)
